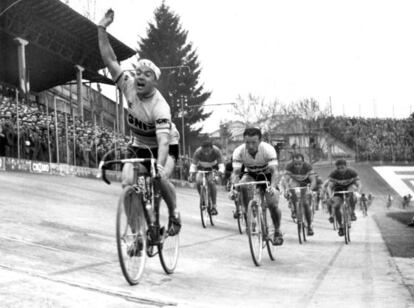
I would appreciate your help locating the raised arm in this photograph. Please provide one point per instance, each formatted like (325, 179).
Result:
(107, 53)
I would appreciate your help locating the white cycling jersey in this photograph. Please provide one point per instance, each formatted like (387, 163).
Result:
(266, 156)
(146, 117)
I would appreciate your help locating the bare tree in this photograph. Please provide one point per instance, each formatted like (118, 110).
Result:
(255, 110)
(307, 117)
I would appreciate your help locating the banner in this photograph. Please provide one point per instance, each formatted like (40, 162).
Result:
(59, 169)
(39, 167)
(2, 164)
(14, 164)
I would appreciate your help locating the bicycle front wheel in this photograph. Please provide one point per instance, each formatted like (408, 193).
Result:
(131, 236)
(271, 249)
(204, 207)
(241, 223)
(168, 248)
(254, 232)
(346, 226)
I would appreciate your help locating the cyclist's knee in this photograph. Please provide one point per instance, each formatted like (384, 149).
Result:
(169, 166)
(127, 176)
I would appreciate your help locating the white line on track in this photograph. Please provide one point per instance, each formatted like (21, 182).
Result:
(24, 241)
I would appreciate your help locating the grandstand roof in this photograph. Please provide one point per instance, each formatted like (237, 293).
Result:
(59, 38)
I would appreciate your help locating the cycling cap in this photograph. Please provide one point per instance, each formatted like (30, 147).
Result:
(150, 65)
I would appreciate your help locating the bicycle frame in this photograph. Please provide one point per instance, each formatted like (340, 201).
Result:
(300, 193)
(345, 214)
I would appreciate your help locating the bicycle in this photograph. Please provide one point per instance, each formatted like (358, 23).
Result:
(299, 209)
(142, 222)
(345, 213)
(260, 227)
(205, 199)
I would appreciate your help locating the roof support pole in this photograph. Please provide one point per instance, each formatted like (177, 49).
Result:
(79, 70)
(121, 112)
(21, 58)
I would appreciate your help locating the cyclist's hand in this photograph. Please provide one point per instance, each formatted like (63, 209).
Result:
(286, 194)
(107, 19)
(191, 177)
(271, 190)
(161, 172)
(233, 194)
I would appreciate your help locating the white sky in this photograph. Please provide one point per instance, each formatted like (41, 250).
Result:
(359, 53)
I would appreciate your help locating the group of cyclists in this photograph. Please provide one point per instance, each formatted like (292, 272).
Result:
(256, 160)
(155, 135)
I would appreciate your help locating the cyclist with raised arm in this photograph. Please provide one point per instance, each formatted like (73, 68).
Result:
(260, 162)
(208, 157)
(343, 178)
(299, 173)
(149, 118)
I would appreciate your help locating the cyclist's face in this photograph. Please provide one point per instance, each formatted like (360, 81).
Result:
(252, 143)
(207, 150)
(341, 168)
(298, 163)
(145, 80)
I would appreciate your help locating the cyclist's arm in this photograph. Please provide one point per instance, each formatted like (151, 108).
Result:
(313, 184)
(358, 185)
(108, 54)
(220, 162)
(163, 148)
(235, 176)
(194, 163)
(275, 173)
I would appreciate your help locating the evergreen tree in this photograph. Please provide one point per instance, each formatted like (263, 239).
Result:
(166, 45)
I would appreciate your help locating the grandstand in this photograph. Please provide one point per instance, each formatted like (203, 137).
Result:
(48, 109)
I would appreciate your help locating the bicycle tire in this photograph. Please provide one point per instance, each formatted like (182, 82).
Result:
(203, 207)
(271, 249)
(299, 220)
(254, 232)
(345, 224)
(304, 231)
(241, 223)
(131, 260)
(168, 249)
(209, 211)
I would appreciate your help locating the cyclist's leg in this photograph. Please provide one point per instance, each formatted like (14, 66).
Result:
(199, 182)
(336, 206)
(167, 191)
(308, 213)
(213, 193)
(352, 201)
(244, 190)
(273, 205)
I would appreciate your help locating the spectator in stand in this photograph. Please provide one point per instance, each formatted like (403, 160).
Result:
(3, 141)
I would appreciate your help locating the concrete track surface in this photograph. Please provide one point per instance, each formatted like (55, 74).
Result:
(57, 249)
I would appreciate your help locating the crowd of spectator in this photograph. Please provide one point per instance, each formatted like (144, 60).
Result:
(37, 135)
(375, 139)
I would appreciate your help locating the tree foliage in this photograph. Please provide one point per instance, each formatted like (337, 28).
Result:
(166, 45)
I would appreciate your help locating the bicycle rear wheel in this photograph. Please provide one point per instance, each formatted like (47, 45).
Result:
(299, 221)
(271, 249)
(346, 226)
(204, 206)
(254, 232)
(131, 235)
(241, 223)
(209, 210)
(168, 249)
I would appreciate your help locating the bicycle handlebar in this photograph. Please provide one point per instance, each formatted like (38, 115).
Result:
(103, 165)
(251, 183)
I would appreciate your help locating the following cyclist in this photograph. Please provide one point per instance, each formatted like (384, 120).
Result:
(343, 179)
(208, 157)
(260, 162)
(149, 118)
(299, 173)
